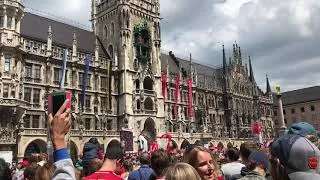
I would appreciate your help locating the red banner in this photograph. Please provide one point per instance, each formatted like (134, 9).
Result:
(169, 138)
(256, 128)
(164, 84)
(189, 84)
(177, 81)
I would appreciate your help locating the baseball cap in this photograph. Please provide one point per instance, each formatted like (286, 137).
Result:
(302, 128)
(259, 158)
(299, 156)
(114, 153)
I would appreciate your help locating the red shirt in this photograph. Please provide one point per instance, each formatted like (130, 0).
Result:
(103, 175)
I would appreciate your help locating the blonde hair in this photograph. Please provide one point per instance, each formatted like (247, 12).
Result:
(182, 171)
(191, 157)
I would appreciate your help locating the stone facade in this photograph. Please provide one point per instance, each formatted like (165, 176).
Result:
(226, 100)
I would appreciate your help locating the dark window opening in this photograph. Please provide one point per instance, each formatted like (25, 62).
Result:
(148, 83)
(148, 104)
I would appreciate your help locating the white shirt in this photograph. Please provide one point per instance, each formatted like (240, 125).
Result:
(232, 168)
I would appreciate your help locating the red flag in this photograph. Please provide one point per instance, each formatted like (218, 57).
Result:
(189, 84)
(256, 128)
(177, 81)
(169, 138)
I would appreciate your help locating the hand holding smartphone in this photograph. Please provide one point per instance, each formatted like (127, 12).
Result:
(56, 100)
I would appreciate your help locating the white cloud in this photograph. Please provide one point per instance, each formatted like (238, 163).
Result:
(282, 36)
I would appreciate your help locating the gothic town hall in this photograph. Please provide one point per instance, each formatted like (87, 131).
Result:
(132, 86)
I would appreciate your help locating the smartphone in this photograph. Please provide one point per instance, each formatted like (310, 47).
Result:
(56, 100)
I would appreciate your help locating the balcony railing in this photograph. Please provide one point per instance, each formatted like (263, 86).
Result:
(94, 133)
(35, 132)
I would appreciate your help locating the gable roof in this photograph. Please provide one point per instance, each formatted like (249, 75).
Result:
(300, 95)
(36, 27)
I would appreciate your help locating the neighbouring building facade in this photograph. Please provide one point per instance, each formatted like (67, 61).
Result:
(211, 105)
(301, 105)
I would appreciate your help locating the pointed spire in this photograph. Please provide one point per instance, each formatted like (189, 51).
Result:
(167, 66)
(268, 89)
(239, 56)
(246, 68)
(191, 69)
(224, 60)
(234, 52)
(251, 71)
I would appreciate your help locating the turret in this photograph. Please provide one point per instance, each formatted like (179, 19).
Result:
(251, 71)
(268, 88)
(49, 42)
(74, 47)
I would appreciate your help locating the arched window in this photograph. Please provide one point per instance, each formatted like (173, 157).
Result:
(148, 83)
(148, 104)
(106, 32)
(138, 104)
(110, 49)
(112, 29)
(137, 83)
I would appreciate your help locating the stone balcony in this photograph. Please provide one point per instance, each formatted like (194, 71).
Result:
(12, 102)
(73, 133)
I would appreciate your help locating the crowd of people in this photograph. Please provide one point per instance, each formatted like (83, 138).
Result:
(293, 156)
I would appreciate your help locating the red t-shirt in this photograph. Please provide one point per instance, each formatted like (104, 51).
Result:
(103, 175)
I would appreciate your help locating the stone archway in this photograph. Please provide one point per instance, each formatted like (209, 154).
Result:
(35, 146)
(199, 143)
(229, 145)
(220, 146)
(149, 130)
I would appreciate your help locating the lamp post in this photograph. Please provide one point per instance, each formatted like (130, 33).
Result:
(282, 127)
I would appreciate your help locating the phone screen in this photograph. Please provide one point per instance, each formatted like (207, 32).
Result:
(58, 98)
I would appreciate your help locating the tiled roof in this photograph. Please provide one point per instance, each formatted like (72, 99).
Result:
(36, 27)
(301, 95)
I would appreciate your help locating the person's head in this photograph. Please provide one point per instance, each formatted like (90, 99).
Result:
(144, 158)
(30, 171)
(259, 162)
(94, 141)
(44, 172)
(160, 161)
(246, 149)
(201, 159)
(94, 165)
(182, 171)
(42, 157)
(114, 157)
(232, 154)
(299, 156)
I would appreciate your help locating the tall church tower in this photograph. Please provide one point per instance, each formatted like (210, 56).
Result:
(130, 30)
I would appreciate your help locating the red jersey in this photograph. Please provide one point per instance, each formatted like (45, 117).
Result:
(103, 175)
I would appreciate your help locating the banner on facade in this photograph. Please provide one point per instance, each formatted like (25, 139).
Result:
(177, 90)
(85, 79)
(126, 136)
(189, 85)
